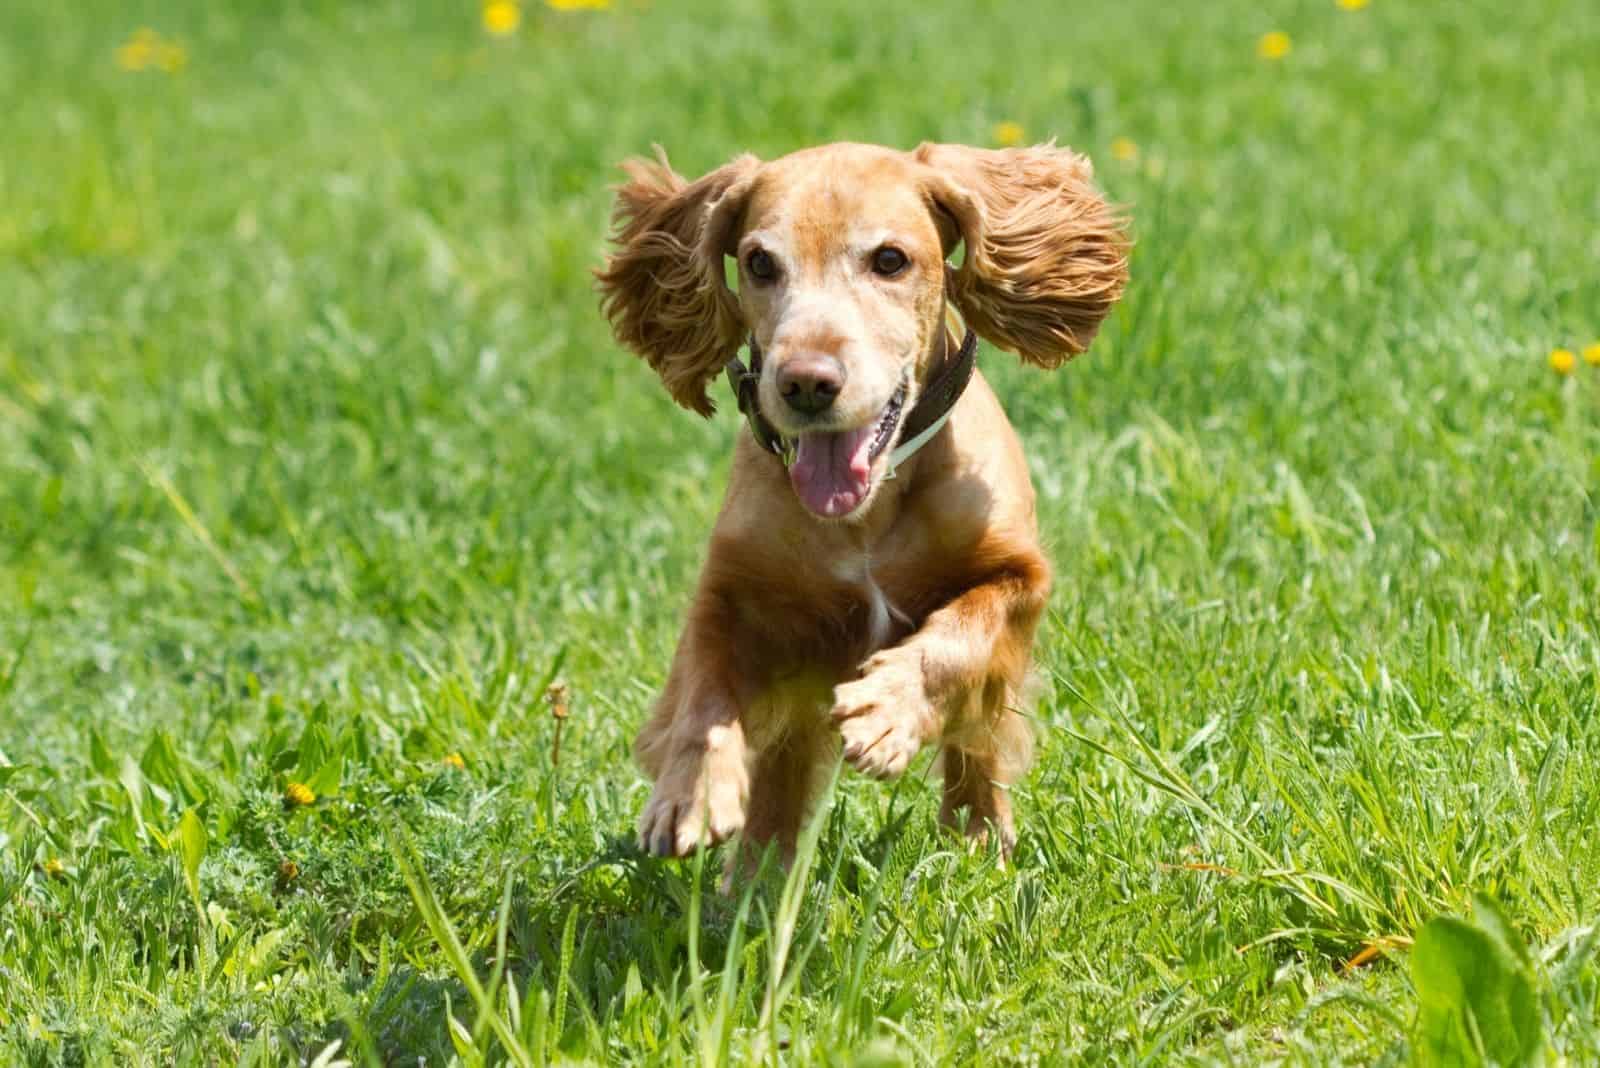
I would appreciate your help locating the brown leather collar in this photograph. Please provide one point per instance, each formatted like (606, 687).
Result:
(939, 395)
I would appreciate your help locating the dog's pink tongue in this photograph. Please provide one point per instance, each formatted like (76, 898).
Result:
(831, 473)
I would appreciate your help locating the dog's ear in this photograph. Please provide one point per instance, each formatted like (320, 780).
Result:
(1046, 255)
(662, 286)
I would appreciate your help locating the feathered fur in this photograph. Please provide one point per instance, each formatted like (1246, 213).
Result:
(662, 287)
(1046, 255)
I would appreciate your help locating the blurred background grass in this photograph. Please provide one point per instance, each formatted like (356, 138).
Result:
(313, 447)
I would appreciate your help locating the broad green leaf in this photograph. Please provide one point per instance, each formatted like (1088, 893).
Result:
(132, 779)
(460, 1037)
(313, 749)
(100, 757)
(632, 986)
(221, 922)
(325, 780)
(1492, 920)
(191, 844)
(163, 767)
(1476, 1002)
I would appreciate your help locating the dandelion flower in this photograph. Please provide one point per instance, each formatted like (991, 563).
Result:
(298, 794)
(139, 51)
(147, 48)
(1562, 361)
(453, 760)
(1274, 45)
(54, 868)
(1591, 354)
(1352, 5)
(1009, 134)
(501, 17)
(1124, 150)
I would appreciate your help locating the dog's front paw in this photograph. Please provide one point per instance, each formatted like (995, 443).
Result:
(699, 798)
(883, 717)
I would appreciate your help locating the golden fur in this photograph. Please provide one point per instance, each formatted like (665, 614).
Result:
(909, 621)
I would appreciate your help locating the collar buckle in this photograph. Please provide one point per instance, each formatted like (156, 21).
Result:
(744, 382)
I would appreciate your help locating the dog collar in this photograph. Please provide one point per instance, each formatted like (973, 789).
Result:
(932, 410)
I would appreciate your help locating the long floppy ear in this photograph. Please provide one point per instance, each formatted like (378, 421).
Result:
(1046, 256)
(662, 286)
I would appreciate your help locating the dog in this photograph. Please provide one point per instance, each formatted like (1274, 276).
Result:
(863, 593)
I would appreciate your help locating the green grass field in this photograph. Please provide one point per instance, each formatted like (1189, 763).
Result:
(318, 465)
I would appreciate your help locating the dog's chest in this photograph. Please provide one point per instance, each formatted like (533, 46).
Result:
(882, 621)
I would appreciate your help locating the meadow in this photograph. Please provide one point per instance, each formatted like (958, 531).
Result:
(323, 487)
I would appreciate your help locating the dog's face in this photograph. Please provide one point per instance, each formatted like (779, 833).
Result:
(842, 282)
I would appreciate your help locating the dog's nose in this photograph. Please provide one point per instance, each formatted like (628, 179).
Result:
(810, 382)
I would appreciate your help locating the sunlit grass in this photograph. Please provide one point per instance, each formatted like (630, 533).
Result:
(318, 470)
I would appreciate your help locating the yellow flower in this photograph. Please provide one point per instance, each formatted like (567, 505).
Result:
(1274, 45)
(453, 760)
(138, 52)
(501, 17)
(54, 868)
(1009, 134)
(1124, 150)
(1591, 354)
(297, 794)
(1562, 361)
(577, 5)
(147, 48)
(1352, 5)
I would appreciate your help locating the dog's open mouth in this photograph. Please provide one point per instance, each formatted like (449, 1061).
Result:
(832, 471)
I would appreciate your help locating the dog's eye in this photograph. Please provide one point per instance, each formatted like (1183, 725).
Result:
(889, 261)
(761, 266)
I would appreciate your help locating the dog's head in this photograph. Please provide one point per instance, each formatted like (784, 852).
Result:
(842, 280)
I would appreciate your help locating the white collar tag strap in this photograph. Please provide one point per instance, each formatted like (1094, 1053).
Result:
(904, 451)
(944, 388)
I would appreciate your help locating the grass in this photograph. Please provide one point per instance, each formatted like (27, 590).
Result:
(317, 465)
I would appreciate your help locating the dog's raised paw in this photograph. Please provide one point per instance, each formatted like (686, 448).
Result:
(883, 717)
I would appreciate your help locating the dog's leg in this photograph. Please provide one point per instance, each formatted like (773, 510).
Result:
(979, 764)
(784, 781)
(980, 639)
(693, 746)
